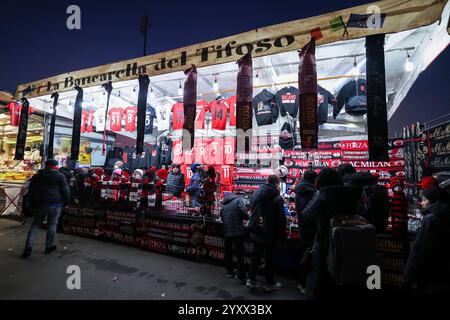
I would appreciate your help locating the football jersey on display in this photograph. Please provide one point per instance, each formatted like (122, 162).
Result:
(288, 101)
(232, 103)
(177, 147)
(201, 150)
(229, 150)
(115, 119)
(84, 118)
(130, 119)
(226, 174)
(90, 121)
(219, 110)
(163, 116)
(215, 151)
(150, 116)
(178, 116)
(16, 110)
(99, 116)
(202, 108)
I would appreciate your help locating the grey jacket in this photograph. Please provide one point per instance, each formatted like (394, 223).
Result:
(233, 213)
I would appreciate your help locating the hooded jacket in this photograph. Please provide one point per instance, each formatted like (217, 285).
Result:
(429, 263)
(233, 213)
(271, 203)
(304, 193)
(175, 184)
(194, 185)
(49, 188)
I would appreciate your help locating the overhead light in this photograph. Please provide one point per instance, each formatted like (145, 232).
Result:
(409, 65)
(180, 90)
(134, 90)
(257, 82)
(152, 93)
(355, 69)
(216, 85)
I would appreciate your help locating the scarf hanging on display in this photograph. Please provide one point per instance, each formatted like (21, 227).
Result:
(190, 107)
(307, 84)
(377, 123)
(144, 82)
(55, 97)
(76, 131)
(23, 128)
(108, 88)
(244, 98)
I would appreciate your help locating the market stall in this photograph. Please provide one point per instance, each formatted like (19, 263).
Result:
(116, 118)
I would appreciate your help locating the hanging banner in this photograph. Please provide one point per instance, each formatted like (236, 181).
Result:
(244, 98)
(144, 82)
(55, 97)
(377, 124)
(438, 147)
(108, 88)
(190, 107)
(307, 84)
(76, 131)
(23, 128)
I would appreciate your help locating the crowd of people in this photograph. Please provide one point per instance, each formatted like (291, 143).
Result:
(349, 199)
(334, 208)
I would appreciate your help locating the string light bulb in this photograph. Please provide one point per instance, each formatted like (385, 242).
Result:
(180, 90)
(257, 77)
(355, 69)
(152, 93)
(216, 85)
(409, 65)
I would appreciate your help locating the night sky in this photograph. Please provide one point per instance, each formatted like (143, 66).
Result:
(36, 43)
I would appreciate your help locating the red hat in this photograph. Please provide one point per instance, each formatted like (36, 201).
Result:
(126, 174)
(428, 182)
(162, 173)
(395, 181)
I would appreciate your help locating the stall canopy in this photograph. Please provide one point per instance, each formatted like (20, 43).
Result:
(5, 97)
(416, 33)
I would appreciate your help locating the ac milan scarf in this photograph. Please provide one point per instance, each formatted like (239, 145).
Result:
(307, 84)
(377, 124)
(76, 131)
(55, 97)
(144, 82)
(23, 128)
(108, 87)
(190, 107)
(244, 97)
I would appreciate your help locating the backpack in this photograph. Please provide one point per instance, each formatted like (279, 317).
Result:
(352, 249)
(375, 206)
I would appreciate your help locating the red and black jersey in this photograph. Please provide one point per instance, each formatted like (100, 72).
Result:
(130, 119)
(229, 150)
(399, 214)
(16, 110)
(115, 119)
(215, 151)
(232, 104)
(178, 116)
(84, 118)
(219, 110)
(90, 121)
(202, 109)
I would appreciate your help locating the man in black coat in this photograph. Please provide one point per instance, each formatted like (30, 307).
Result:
(271, 207)
(305, 191)
(429, 263)
(233, 213)
(47, 195)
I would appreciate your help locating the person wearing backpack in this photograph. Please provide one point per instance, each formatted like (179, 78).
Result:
(266, 205)
(332, 201)
(373, 199)
(233, 213)
(429, 263)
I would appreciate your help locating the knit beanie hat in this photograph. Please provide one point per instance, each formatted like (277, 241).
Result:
(162, 173)
(194, 167)
(428, 182)
(140, 172)
(395, 181)
(126, 174)
(117, 172)
(51, 163)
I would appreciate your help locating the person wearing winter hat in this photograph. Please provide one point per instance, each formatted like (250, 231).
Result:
(427, 266)
(194, 185)
(175, 181)
(47, 195)
(399, 208)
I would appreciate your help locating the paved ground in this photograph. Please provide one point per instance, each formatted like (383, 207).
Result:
(110, 271)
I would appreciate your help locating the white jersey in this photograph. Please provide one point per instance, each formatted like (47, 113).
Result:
(99, 117)
(163, 113)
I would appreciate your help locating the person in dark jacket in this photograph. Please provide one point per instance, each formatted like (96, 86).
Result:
(333, 199)
(429, 263)
(66, 172)
(233, 213)
(305, 190)
(175, 181)
(345, 169)
(48, 194)
(271, 205)
(194, 185)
